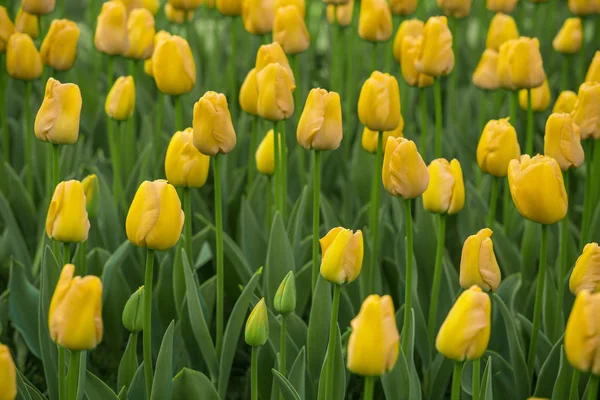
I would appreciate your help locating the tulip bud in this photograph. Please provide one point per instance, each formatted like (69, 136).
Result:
(320, 125)
(67, 219)
(111, 35)
(582, 334)
(285, 297)
(593, 72)
(249, 93)
(455, 8)
(265, 154)
(151, 5)
(373, 344)
(275, 93)
(173, 66)
(523, 63)
(537, 189)
(379, 102)
(540, 97)
(120, 101)
(502, 29)
(584, 7)
(403, 7)
(75, 317)
(562, 141)
(465, 333)
(257, 325)
(342, 255)
(569, 38)
(409, 27)
(258, 16)
(586, 274)
(565, 102)
(59, 47)
(177, 16)
(155, 218)
(22, 58)
(370, 138)
(188, 5)
(57, 120)
(504, 6)
(140, 26)
(445, 192)
(133, 312)
(411, 47)
(185, 166)
(272, 53)
(92, 194)
(486, 72)
(27, 23)
(497, 146)
(6, 28)
(213, 129)
(38, 7)
(158, 37)
(8, 374)
(436, 56)
(503, 66)
(343, 13)
(290, 31)
(478, 265)
(404, 173)
(375, 21)
(586, 113)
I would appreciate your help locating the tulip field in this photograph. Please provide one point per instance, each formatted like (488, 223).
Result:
(299, 199)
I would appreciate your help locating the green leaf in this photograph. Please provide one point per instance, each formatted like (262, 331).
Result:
(396, 383)
(23, 298)
(178, 279)
(549, 372)
(22, 391)
(17, 242)
(113, 264)
(137, 389)
(296, 224)
(318, 327)
(544, 346)
(95, 389)
(129, 362)
(486, 392)
(562, 384)
(297, 375)
(441, 368)
(280, 259)
(192, 385)
(285, 387)
(251, 237)
(162, 386)
(339, 376)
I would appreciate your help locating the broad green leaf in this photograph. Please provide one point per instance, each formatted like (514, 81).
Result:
(82, 375)
(178, 278)
(137, 389)
(441, 371)
(251, 238)
(544, 346)
(23, 298)
(113, 264)
(97, 390)
(296, 224)
(562, 384)
(335, 359)
(486, 392)
(129, 362)
(192, 385)
(318, 328)
(396, 383)
(280, 259)
(17, 241)
(297, 374)
(162, 386)
(549, 372)
(285, 387)
(22, 391)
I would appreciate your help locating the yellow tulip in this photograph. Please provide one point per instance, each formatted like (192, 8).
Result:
(342, 253)
(67, 219)
(249, 93)
(131, 5)
(158, 37)
(213, 129)
(465, 333)
(537, 188)
(584, 7)
(503, 65)
(565, 102)
(593, 72)
(22, 58)
(486, 72)
(569, 38)
(258, 16)
(256, 332)
(411, 47)
(187, 5)
(178, 16)
(8, 374)
(455, 8)
(27, 23)
(120, 102)
(140, 26)
(523, 63)
(436, 56)
(275, 93)
(155, 218)
(403, 7)
(540, 97)
(586, 113)
(92, 194)
(111, 29)
(586, 274)
(497, 146)
(320, 125)
(409, 27)
(379, 102)
(504, 6)
(370, 138)
(75, 317)
(184, 164)
(562, 141)
(38, 7)
(478, 265)
(502, 29)
(173, 66)
(404, 173)
(375, 21)
(342, 12)
(151, 5)
(231, 8)
(290, 31)
(373, 344)
(582, 334)
(57, 120)
(265, 154)
(59, 47)
(7, 28)
(272, 53)
(445, 192)
(299, 4)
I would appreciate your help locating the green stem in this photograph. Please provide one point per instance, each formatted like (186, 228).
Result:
(438, 118)
(110, 71)
(374, 224)
(73, 375)
(315, 220)
(232, 65)
(62, 383)
(574, 390)
(3, 114)
(283, 160)
(593, 384)
(506, 204)
(437, 278)
(369, 387)
(158, 125)
(408, 283)
(28, 138)
(55, 166)
(269, 208)
(476, 378)
(482, 108)
(114, 150)
(423, 104)
(178, 114)
(251, 154)
(564, 264)
(334, 78)
(66, 254)
(529, 137)
(82, 267)
(331, 348)
(514, 99)
(564, 79)
(187, 226)
(282, 345)
(220, 271)
(493, 202)
(456, 378)
(147, 336)
(277, 171)
(587, 196)
(374, 58)
(254, 372)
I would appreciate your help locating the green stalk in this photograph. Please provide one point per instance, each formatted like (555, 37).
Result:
(62, 383)
(232, 65)
(147, 335)
(456, 378)
(564, 263)
(529, 138)
(283, 168)
(277, 172)
(254, 372)
(587, 196)
(374, 223)
(73, 375)
(158, 125)
(506, 204)
(28, 139)
(334, 44)
(482, 108)
(476, 378)
(114, 150)
(178, 114)
(574, 390)
(564, 77)
(220, 271)
(514, 101)
(408, 283)
(282, 345)
(3, 116)
(66, 254)
(438, 117)
(187, 226)
(55, 167)
(493, 202)
(269, 208)
(593, 387)
(82, 258)
(539, 294)
(369, 387)
(423, 104)
(374, 58)
(251, 154)
(437, 278)
(110, 71)
(316, 205)
(331, 348)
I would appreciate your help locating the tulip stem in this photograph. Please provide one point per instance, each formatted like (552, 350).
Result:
(369, 387)
(251, 154)
(55, 167)
(28, 138)
(529, 138)
(506, 204)
(539, 294)
(564, 78)
(493, 202)
(3, 116)
(587, 195)
(374, 58)
(282, 345)
(178, 114)
(514, 99)
(277, 171)
(437, 278)
(423, 103)
(66, 254)
(374, 223)
(283, 159)
(158, 125)
(574, 390)
(62, 387)
(456, 378)
(408, 279)
(147, 336)
(316, 206)
(564, 260)
(219, 245)
(254, 373)
(73, 375)
(476, 378)
(232, 64)
(593, 387)
(438, 117)
(187, 207)
(112, 142)
(83, 258)
(331, 348)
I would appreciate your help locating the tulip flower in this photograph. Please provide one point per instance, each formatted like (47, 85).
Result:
(140, 26)
(151, 5)
(7, 28)
(584, 7)
(411, 48)
(272, 53)
(158, 37)
(436, 57)
(445, 193)
(249, 93)
(258, 16)
(379, 102)
(57, 120)
(133, 312)
(231, 8)
(478, 265)
(375, 21)
(177, 16)
(520, 64)
(111, 35)
(586, 274)
(38, 7)
(404, 173)
(290, 31)
(59, 47)
(299, 4)
(502, 29)
(187, 5)
(569, 38)
(411, 28)
(565, 103)
(75, 317)
(256, 332)
(320, 125)
(540, 97)
(120, 101)
(455, 8)
(486, 72)
(27, 23)
(22, 58)
(403, 7)
(593, 72)
(369, 137)
(342, 255)
(582, 334)
(373, 345)
(503, 65)
(92, 194)
(343, 13)
(8, 374)
(67, 219)
(173, 66)
(586, 113)
(285, 297)
(497, 146)
(265, 155)
(213, 129)
(185, 166)
(562, 141)
(275, 93)
(504, 6)
(131, 5)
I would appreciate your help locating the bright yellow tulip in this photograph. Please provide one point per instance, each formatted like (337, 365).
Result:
(342, 252)
(92, 194)
(522, 64)
(342, 12)
(586, 274)
(22, 58)
(272, 53)
(375, 21)
(562, 141)
(7, 28)
(67, 220)
(184, 164)
(586, 113)
(290, 31)
(27, 23)
(275, 93)
(140, 26)
(213, 129)
(249, 93)
(258, 16)
(404, 173)
(8, 374)
(502, 29)
(379, 102)
(57, 120)
(411, 47)
(593, 72)
(158, 37)
(445, 193)
(540, 97)
(565, 102)
(120, 102)
(478, 265)
(497, 146)
(505, 6)
(265, 154)
(173, 66)
(436, 57)
(486, 72)
(152, 6)
(570, 37)
(111, 35)
(320, 125)
(582, 335)
(455, 8)
(59, 47)
(370, 138)
(409, 27)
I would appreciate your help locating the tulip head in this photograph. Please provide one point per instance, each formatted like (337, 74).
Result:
(7, 28)
(584, 7)
(265, 154)
(370, 138)
(213, 129)
(67, 219)
(57, 120)
(22, 58)
(155, 218)
(151, 5)
(409, 27)
(188, 5)
(562, 141)
(320, 125)
(569, 38)
(373, 345)
(290, 31)
(586, 274)
(455, 8)
(404, 173)
(504, 6)
(445, 193)
(523, 65)
(582, 334)
(249, 93)
(120, 101)
(586, 113)
(342, 253)
(258, 16)
(502, 29)
(592, 75)
(111, 35)
(272, 53)
(403, 7)
(256, 333)
(158, 37)
(411, 47)
(540, 97)
(341, 12)
(275, 92)
(379, 102)
(478, 265)
(38, 7)
(565, 103)
(436, 57)
(92, 194)
(185, 166)
(8, 374)
(75, 317)
(133, 312)
(177, 16)
(173, 66)
(375, 21)
(59, 47)
(231, 8)
(140, 26)
(497, 146)
(27, 23)
(486, 73)
(285, 297)
(299, 4)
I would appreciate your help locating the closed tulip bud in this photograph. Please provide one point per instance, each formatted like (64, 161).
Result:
(565, 102)
(569, 38)
(188, 5)
(582, 334)
(290, 31)
(120, 101)
(478, 265)
(370, 138)
(249, 93)
(375, 21)
(22, 58)
(342, 252)
(178, 16)
(403, 7)
(133, 312)
(342, 12)
(272, 53)
(265, 154)
(455, 8)
(445, 193)
(586, 113)
(140, 26)
(230, 8)
(185, 166)
(486, 72)
(409, 27)
(67, 219)
(379, 102)
(504, 6)
(258, 16)
(586, 274)
(436, 56)
(173, 66)
(7, 28)
(562, 141)
(57, 120)
(537, 188)
(151, 5)
(502, 29)
(8, 374)
(256, 333)
(213, 129)
(155, 218)
(320, 125)
(404, 173)
(299, 4)
(59, 47)
(158, 37)
(111, 35)
(593, 72)
(503, 65)
(525, 67)
(465, 333)
(411, 47)
(373, 345)
(38, 7)
(275, 93)
(497, 146)
(27, 23)
(285, 297)
(92, 194)
(584, 7)
(540, 97)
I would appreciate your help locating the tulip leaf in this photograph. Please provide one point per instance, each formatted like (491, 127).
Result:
(32, 391)
(297, 375)
(137, 389)
(95, 389)
(178, 278)
(192, 385)
(486, 391)
(296, 224)
(562, 383)
(396, 383)
(252, 238)
(280, 259)
(441, 371)
(339, 375)
(22, 391)
(544, 346)
(549, 371)
(19, 201)
(162, 386)
(23, 298)
(129, 362)
(285, 387)
(17, 242)
(318, 327)
(111, 266)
